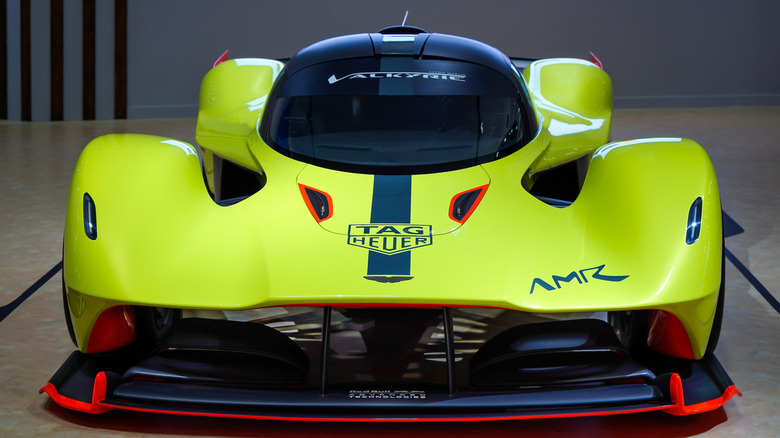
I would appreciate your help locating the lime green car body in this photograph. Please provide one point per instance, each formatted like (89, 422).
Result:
(395, 226)
(162, 240)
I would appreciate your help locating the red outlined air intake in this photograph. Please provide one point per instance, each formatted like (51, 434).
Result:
(463, 204)
(319, 203)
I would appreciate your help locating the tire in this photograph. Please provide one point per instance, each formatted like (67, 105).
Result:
(631, 327)
(66, 308)
(712, 343)
(153, 324)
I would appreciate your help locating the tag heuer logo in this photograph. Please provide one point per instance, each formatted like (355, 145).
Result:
(390, 238)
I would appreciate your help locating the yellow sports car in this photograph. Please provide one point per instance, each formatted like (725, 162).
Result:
(393, 226)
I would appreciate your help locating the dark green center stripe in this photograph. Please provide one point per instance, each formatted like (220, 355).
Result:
(391, 204)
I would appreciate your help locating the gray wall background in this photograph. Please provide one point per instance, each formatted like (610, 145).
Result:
(661, 53)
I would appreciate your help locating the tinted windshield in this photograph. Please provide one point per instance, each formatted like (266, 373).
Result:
(409, 121)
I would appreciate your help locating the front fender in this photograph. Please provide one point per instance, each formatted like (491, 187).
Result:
(637, 197)
(145, 190)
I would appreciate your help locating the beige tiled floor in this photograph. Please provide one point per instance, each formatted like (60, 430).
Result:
(35, 164)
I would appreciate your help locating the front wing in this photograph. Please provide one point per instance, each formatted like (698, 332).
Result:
(391, 365)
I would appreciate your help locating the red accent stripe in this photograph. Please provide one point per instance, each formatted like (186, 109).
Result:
(98, 395)
(389, 420)
(678, 398)
(596, 61)
(222, 58)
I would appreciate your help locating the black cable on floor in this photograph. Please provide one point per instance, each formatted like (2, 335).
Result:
(753, 280)
(10, 307)
(732, 228)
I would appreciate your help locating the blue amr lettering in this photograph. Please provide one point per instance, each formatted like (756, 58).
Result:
(541, 283)
(599, 276)
(567, 279)
(580, 276)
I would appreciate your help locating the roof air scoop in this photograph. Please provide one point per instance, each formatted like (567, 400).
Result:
(402, 30)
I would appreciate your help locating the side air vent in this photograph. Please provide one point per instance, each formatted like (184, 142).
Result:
(463, 204)
(319, 203)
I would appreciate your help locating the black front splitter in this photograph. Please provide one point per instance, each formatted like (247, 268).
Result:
(95, 384)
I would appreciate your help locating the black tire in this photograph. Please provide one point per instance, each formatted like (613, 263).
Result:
(153, 324)
(631, 327)
(712, 343)
(66, 308)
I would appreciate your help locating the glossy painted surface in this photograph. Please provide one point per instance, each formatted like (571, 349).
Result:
(620, 246)
(573, 99)
(39, 161)
(232, 97)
